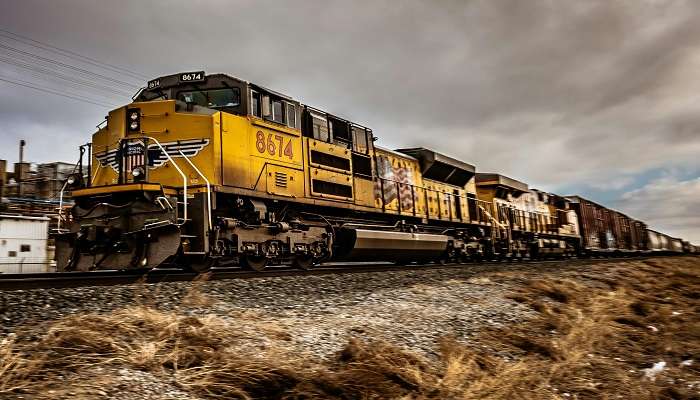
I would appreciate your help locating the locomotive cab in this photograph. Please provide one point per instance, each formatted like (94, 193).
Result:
(148, 190)
(157, 167)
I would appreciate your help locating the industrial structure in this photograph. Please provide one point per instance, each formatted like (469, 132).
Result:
(30, 196)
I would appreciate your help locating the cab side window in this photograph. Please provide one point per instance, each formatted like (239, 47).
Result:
(255, 104)
(273, 107)
(320, 127)
(340, 130)
(359, 139)
(291, 115)
(278, 111)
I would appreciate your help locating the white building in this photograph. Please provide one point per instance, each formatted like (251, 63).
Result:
(24, 244)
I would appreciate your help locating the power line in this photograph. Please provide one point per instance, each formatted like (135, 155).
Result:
(70, 54)
(81, 90)
(29, 85)
(64, 65)
(34, 68)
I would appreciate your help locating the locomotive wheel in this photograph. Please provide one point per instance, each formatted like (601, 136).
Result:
(304, 262)
(255, 263)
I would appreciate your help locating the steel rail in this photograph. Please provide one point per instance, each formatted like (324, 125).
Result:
(57, 280)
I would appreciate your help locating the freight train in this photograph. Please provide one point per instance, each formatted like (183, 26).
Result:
(209, 170)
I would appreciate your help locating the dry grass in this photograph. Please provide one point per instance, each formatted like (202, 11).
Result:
(594, 333)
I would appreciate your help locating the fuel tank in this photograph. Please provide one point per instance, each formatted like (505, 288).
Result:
(379, 245)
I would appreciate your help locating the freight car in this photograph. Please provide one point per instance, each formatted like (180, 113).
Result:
(606, 231)
(204, 170)
(661, 243)
(690, 248)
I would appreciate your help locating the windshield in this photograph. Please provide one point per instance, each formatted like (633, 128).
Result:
(151, 96)
(213, 98)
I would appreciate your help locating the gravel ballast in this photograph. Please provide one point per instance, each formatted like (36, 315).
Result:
(319, 313)
(314, 317)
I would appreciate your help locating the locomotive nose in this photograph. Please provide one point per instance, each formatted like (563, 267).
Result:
(115, 233)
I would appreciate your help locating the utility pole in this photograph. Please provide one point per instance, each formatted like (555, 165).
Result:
(20, 176)
(3, 177)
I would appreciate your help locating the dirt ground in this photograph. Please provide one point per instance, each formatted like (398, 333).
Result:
(627, 329)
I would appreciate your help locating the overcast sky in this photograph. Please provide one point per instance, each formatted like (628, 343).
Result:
(598, 98)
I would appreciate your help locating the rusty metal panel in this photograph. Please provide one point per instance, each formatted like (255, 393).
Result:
(603, 229)
(623, 231)
(639, 236)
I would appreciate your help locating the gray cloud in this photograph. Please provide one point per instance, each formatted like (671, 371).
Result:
(677, 215)
(589, 93)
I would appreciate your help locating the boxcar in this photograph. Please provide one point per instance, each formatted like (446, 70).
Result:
(603, 230)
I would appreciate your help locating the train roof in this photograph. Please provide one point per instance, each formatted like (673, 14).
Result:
(664, 234)
(579, 199)
(441, 168)
(199, 80)
(395, 153)
(181, 78)
(431, 156)
(493, 179)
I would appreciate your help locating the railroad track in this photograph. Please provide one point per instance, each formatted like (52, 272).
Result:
(106, 278)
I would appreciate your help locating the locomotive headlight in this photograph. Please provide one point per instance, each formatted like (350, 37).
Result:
(138, 173)
(133, 119)
(73, 180)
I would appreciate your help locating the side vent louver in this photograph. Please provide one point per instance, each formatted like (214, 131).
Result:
(280, 179)
(330, 160)
(331, 188)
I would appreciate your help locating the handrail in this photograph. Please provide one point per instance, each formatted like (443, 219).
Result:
(528, 217)
(60, 206)
(206, 181)
(488, 214)
(94, 176)
(182, 174)
(164, 200)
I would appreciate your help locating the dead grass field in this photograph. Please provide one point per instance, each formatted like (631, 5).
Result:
(597, 334)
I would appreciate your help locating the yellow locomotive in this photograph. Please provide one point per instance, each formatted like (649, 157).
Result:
(203, 170)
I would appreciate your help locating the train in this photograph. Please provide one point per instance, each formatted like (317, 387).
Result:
(208, 170)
